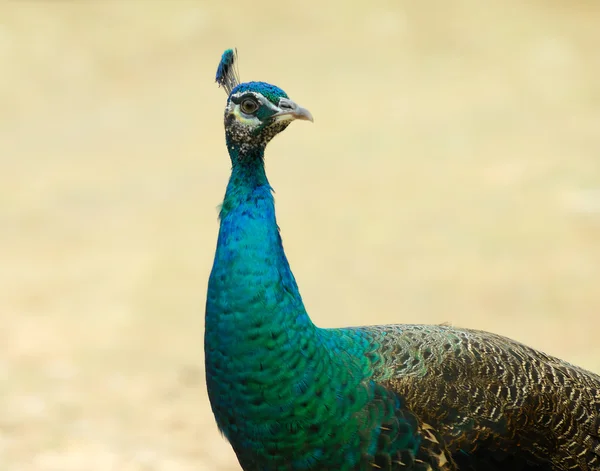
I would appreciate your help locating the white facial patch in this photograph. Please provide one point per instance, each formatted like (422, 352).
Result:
(243, 118)
(284, 117)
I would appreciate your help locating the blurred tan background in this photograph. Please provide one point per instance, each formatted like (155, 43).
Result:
(452, 174)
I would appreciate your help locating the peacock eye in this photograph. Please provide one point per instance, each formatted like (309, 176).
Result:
(249, 106)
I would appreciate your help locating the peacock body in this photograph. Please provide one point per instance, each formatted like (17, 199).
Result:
(289, 395)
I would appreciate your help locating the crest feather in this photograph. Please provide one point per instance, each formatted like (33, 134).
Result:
(227, 73)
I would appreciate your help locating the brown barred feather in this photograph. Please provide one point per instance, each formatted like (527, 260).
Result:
(487, 402)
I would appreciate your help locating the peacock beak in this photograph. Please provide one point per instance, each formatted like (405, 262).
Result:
(290, 111)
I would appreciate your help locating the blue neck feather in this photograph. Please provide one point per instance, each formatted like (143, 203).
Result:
(274, 379)
(254, 310)
(250, 263)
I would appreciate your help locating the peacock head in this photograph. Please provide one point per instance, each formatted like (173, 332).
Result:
(255, 111)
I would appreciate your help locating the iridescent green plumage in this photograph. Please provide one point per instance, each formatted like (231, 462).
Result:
(291, 396)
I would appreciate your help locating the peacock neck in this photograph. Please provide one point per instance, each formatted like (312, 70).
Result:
(252, 292)
(248, 183)
(265, 360)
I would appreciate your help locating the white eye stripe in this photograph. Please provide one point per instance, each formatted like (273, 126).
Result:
(241, 94)
(260, 98)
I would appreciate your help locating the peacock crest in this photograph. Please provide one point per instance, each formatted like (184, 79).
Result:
(228, 75)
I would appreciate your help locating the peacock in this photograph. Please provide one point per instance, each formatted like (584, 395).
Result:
(291, 396)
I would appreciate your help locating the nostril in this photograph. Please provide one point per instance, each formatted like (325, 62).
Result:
(285, 105)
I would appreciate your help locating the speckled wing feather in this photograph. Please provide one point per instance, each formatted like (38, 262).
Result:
(487, 402)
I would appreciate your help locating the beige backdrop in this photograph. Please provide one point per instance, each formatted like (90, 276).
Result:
(452, 175)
